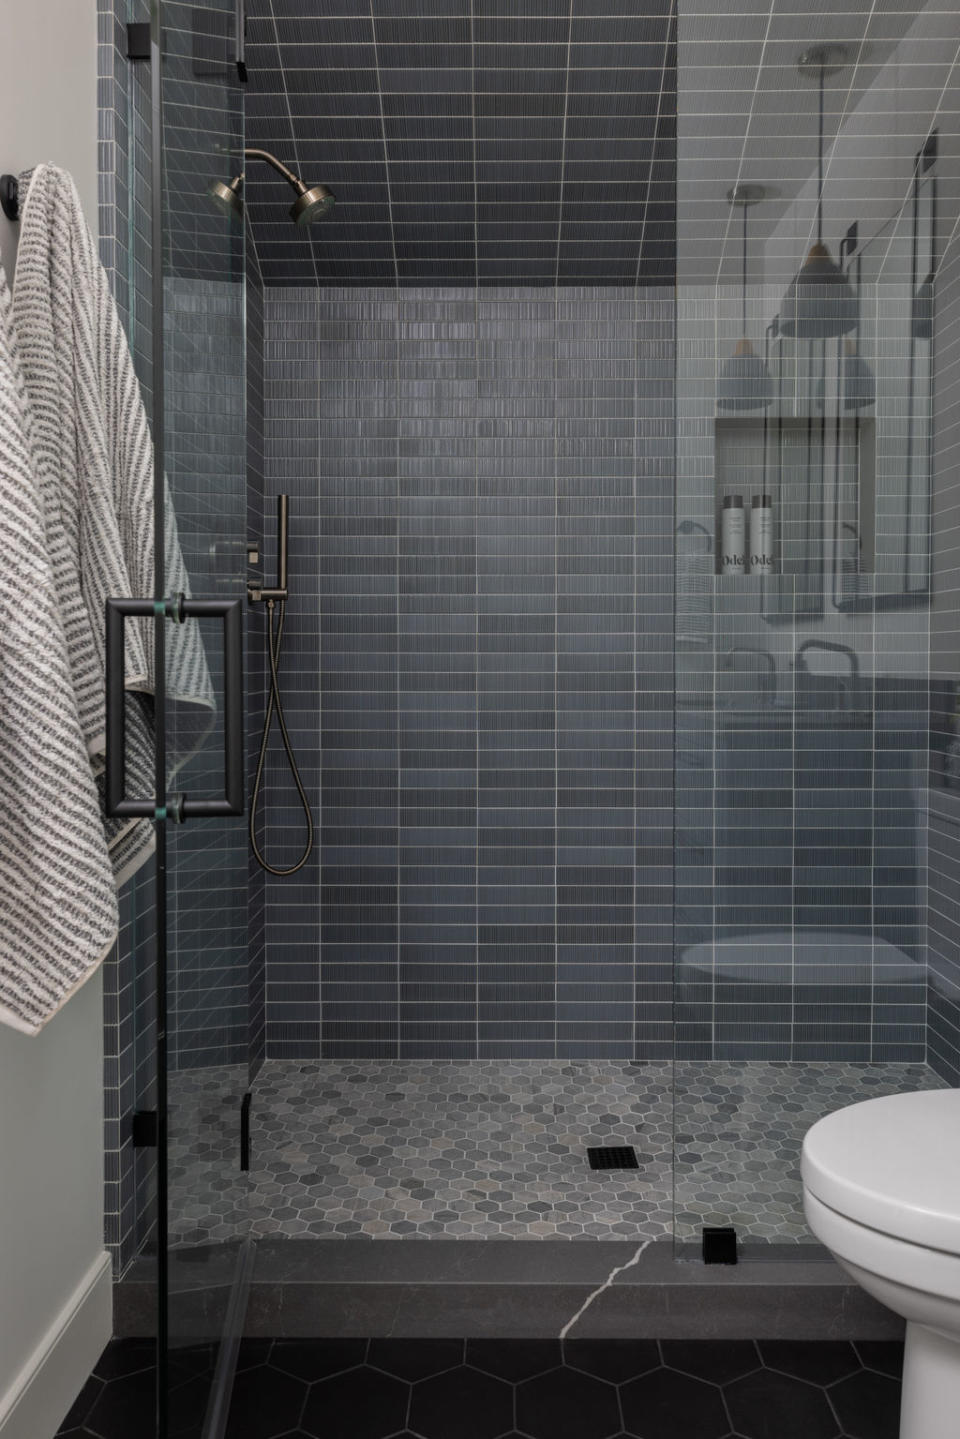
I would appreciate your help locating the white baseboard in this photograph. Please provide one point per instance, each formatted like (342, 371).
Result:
(36, 1403)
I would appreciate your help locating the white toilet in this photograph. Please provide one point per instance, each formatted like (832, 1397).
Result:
(881, 1190)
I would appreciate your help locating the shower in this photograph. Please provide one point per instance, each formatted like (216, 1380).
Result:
(313, 202)
(275, 599)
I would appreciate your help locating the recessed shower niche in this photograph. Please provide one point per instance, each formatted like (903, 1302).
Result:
(843, 448)
(819, 472)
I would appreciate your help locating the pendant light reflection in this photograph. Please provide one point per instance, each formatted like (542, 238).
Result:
(858, 387)
(744, 382)
(819, 302)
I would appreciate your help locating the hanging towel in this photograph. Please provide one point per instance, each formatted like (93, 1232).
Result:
(58, 902)
(95, 471)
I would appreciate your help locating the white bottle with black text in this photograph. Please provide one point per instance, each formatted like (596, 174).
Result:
(733, 536)
(761, 536)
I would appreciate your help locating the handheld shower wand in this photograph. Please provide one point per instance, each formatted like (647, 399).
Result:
(275, 599)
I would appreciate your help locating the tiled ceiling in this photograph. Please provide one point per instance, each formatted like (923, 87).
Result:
(467, 141)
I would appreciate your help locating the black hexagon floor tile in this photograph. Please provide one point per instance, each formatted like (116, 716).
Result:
(125, 1356)
(797, 1396)
(253, 1352)
(821, 1364)
(514, 1359)
(312, 1359)
(567, 1404)
(84, 1402)
(125, 1406)
(884, 1355)
(464, 1402)
(769, 1405)
(868, 1405)
(415, 1359)
(360, 1404)
(612, 1359)
(716, 1360)
(657, 1404)
(265, 1402)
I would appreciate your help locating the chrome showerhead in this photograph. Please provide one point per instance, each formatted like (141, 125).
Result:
(312, 203)
(227, 197)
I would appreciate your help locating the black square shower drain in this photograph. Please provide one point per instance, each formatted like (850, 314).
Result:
(613, 1156)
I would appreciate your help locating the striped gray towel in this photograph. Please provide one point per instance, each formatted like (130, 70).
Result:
(95, 470)
(58, 903)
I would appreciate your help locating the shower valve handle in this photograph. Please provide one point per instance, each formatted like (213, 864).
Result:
(179, 807)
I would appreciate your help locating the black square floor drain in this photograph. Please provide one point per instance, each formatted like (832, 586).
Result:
(613, 1156)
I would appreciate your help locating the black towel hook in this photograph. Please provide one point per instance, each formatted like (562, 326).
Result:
(10, 196)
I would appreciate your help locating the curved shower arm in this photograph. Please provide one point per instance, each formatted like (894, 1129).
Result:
(280, 168)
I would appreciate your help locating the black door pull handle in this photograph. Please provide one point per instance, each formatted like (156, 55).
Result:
(179, 807)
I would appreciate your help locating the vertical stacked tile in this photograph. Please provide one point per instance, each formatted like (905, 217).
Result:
(654, 685)
(292, 450)
(436, 397)
(495, 611)
(516, 677)
(358, 586)
(597, 519)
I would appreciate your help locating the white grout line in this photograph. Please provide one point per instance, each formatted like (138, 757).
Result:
(563, 149)
(664, 66)
(386, 166)
(619, 1269)
(293, 130)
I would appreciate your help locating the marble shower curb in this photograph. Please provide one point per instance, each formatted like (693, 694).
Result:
(498, 1288)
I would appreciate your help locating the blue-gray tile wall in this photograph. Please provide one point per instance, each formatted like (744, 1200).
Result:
(478, 671)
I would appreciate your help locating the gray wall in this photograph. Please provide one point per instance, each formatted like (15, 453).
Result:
(478, 672)
(54, 1274)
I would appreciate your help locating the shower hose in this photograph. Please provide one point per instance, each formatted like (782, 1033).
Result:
(274, 702)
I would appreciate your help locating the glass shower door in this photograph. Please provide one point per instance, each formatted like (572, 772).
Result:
(200, 363)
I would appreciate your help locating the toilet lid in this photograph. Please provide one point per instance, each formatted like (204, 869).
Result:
(892, 1164)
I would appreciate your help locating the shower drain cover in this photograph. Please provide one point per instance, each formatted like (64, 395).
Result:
(613, 1156)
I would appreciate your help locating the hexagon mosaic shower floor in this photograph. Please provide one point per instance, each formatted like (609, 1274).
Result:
(495, 1149)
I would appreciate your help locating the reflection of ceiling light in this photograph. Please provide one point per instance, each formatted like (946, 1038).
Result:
(819, 301)
(859, 386)
(745, 382)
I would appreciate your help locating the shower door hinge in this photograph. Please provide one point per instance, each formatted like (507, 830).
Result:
(144, 1129)
(138, 41)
